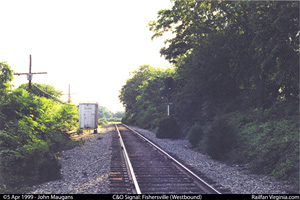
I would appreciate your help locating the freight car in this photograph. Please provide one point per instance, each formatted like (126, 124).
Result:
(88, 116)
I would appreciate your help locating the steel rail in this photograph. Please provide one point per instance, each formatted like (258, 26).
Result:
(128, 163)
(176, 161)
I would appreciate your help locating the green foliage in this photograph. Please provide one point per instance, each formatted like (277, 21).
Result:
(104, 112)
(67, 117)
(32, 129)
(119, 114)
(43, 90)
(106, 115)
(273, 148)
(221, 139)
(269, 145)
(238, 60)
(236, 73)
(144, 97)
(196, 134)
(115, 119)
(251, 48)
(168, 128)
(102, 121)
(6, 76)
(39, 164)
(130, 90)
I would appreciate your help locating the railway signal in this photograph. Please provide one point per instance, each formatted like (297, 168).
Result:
(169, 87)
(169, 84)
(29, 75)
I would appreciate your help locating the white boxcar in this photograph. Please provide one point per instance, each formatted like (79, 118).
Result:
(88, 115)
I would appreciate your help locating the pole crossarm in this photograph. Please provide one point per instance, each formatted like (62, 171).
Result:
(40, 73)
(29, 75)
(20, 74)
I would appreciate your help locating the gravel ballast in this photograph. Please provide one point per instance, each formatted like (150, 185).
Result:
(232, 177)
(85, 169)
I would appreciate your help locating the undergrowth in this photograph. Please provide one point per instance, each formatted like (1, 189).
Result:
(269, 145)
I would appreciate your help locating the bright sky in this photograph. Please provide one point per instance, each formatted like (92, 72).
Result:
(90, 44)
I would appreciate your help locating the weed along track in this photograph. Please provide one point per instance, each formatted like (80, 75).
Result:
(138, 166)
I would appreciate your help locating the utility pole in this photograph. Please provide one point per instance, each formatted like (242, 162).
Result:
(29, 75)
(69, 94)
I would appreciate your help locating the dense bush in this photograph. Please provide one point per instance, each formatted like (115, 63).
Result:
(196, 134)
(32, 129)
(269, 144)
(168, 128)
(273, 148)
(102, 121)
(221, 138)
(114, 119)
(35, 128)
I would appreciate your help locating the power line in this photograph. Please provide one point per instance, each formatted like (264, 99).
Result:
(53, 97)
(29, 78)
(30, 74)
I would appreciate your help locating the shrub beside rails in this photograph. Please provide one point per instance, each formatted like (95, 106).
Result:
(33, 129)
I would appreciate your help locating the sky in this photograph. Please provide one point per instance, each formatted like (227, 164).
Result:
(90, 44)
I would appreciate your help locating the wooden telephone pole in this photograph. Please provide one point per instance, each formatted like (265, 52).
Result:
(69, 94)
(29, 75)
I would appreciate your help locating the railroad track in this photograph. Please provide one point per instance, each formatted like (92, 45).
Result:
(139, 166)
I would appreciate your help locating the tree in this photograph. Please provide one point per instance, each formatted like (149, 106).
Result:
(130, 90)
(6, 76)
(119, 114)
(105, 113)
(144, 97)
(191, 22)
(43, 90)
(231, 55)
(32, 129)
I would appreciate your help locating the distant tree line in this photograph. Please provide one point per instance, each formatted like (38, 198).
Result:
(106, 115)
(236, 71)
